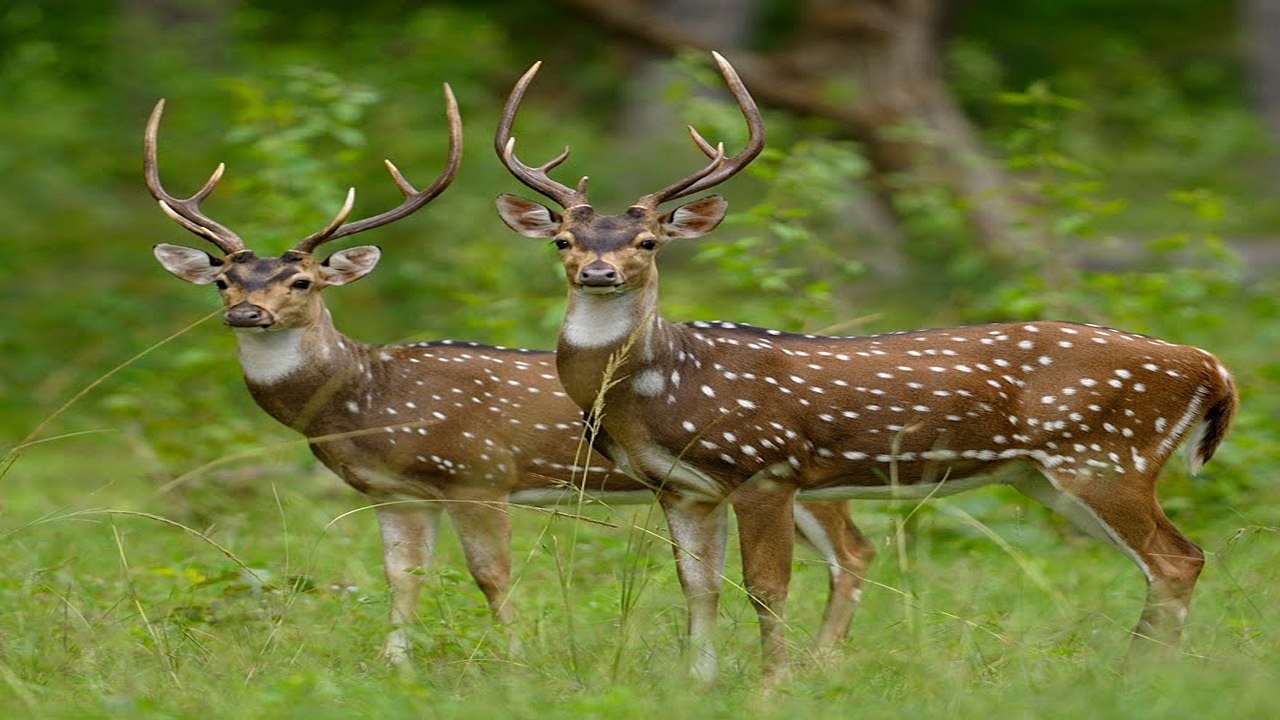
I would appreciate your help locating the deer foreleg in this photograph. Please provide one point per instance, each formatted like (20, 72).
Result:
(698, 541)
(766, 528)
(408, 539)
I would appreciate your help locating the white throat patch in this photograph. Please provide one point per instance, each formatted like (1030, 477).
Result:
(269, 357)
(598, 320)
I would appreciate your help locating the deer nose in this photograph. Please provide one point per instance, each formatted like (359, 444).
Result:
(598, 274)
(246, 314)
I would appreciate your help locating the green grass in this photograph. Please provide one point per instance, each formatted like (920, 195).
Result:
(254, 591)
(252, 586)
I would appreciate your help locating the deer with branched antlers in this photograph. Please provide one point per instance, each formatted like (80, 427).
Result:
(455, 425)
(1079, 417)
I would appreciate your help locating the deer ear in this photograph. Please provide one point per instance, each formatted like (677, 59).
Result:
(695, 219)
(347, 266)
(527, 217)
(194, 266)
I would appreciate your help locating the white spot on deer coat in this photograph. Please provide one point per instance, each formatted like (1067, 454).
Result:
(649, 383)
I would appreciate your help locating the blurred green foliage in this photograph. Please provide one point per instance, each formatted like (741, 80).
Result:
(1125, 122)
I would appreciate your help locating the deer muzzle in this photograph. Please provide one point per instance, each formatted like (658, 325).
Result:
(246, 315)
(599, 274)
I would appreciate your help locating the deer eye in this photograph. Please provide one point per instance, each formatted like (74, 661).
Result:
(301, 284)
(648, 244)
(220, 284)
(562, 244)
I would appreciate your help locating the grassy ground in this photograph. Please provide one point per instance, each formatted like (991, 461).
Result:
(255, 591)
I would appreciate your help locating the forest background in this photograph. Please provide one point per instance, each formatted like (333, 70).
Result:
(929, 163)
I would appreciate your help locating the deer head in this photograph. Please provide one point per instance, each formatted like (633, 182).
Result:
(607, 254)
(280, 293)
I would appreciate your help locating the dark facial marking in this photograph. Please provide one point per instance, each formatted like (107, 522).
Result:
(283, 275)
(254, 273)
(607, 233)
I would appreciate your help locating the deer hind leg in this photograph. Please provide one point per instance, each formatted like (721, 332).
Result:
(827, 528)
(408, 540)
(483, 525)
(1123, 512)
(698, 541)
(766, 528)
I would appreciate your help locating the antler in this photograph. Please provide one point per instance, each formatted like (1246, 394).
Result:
(535, 178)
(185, 212)
(720, 168)
(414, 199)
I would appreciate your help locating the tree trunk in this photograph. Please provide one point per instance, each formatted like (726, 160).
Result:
(721, 23)
(873, 67)
(1260, 28)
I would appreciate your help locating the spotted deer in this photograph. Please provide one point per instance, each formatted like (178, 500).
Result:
(453, 425)
(1079, 417)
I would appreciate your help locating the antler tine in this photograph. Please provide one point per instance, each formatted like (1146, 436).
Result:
(334, 224)
(681, 187)
(535, 178)
(414, 198)
(718, 171)
(186, 212)
(707, 148)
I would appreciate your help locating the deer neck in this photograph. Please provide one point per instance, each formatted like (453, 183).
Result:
(607, 337)
(290, 371)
